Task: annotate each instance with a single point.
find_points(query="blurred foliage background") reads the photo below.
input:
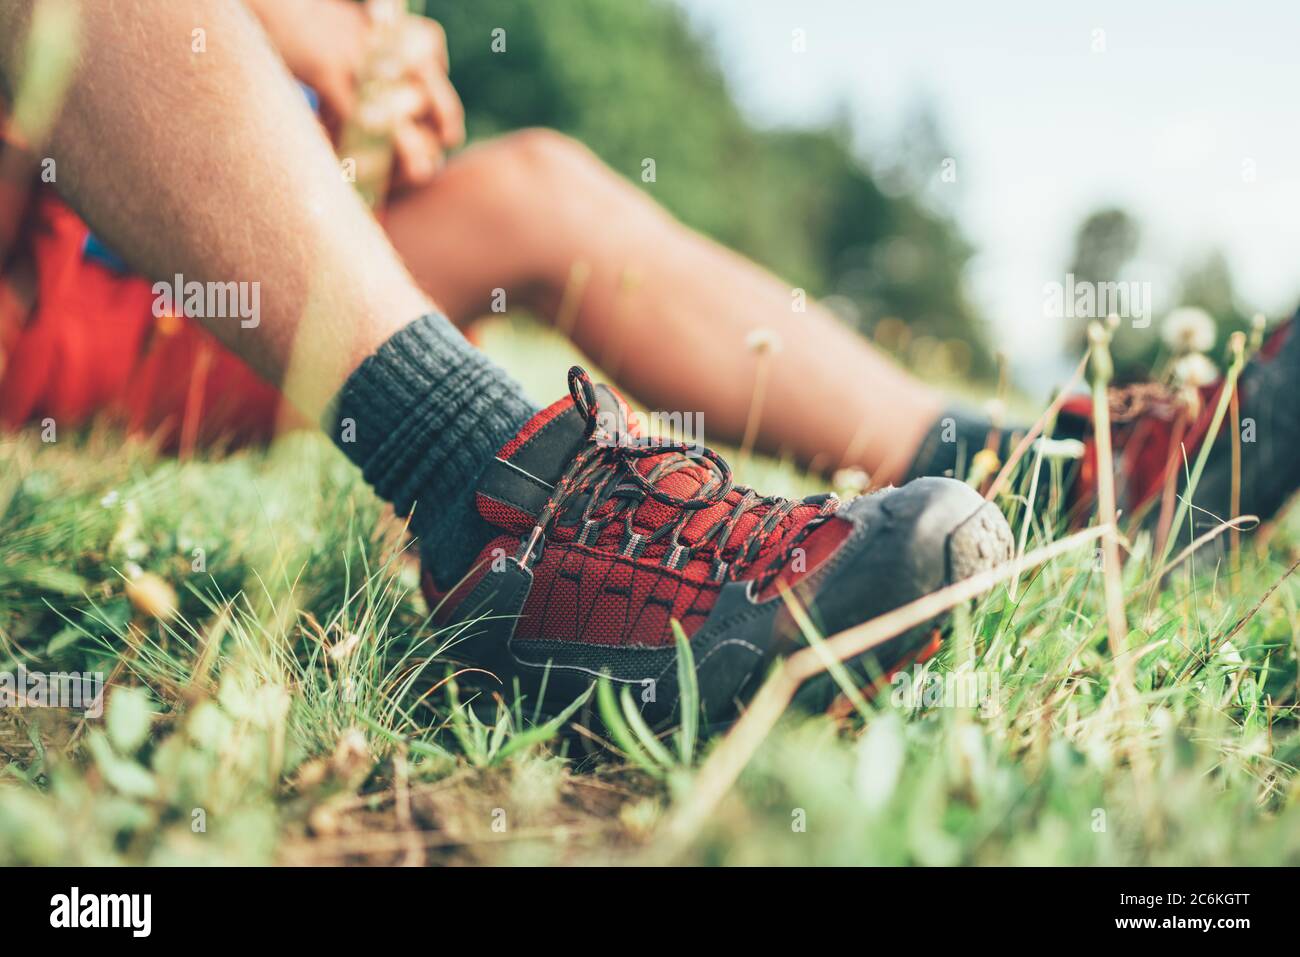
(632, 80)
(1106, 248)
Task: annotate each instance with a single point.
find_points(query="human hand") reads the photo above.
(376, 67)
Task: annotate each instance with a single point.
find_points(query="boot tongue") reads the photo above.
(517, 483)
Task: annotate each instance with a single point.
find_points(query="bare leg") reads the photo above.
(664, 309)
(209, 164)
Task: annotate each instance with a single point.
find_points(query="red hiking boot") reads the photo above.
(605, 537)
(1154, 429)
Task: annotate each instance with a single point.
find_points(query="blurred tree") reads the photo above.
(1105, 241)
(1103, 244)
(631, 80)
(1207, 282)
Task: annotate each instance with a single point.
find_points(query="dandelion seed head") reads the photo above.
(1195, 370)
(1188, 329)
(763, 341)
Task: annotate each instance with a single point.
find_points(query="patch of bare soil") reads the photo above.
(482, 816)
(22, 728)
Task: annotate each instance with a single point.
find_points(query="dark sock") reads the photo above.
(952, 442)
(423, 417)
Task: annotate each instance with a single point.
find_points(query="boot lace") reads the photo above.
(606, 469)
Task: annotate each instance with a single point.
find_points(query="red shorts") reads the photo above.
(83, 340)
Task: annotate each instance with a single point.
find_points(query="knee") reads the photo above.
(545, 153)
(523, 172)
(540, 166)
(544, 184)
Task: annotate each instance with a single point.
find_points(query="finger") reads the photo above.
(424, 41)
(418, 153)
(423, 50)
(448, 113)
(392, 106)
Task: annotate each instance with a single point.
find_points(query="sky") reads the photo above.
(1184, 113)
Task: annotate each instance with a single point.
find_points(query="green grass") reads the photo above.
(298, 710)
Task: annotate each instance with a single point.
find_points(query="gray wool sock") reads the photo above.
(953, 441)
(422, 417)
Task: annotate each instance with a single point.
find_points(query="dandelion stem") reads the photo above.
(1207, 444)
(1116, 625)
(755, 406)
(1048, 416)
(1234, 537)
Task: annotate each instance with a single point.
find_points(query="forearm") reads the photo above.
(208, 164)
